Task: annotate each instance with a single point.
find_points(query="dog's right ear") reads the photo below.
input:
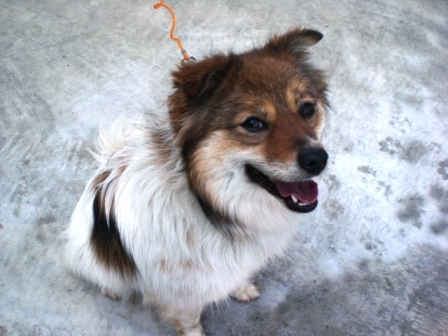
(293, 42)
(199, 80)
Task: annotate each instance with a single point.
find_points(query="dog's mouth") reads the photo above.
(298, 196)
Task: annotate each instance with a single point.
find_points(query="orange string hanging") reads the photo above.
(173, 26)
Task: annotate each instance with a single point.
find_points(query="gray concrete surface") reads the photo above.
(371, 260)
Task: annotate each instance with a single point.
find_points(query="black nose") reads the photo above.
(313, 159)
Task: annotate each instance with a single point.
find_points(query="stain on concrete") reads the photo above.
(46, 220)
(348, 146)
(45, 228)
(410, 152)
(374, 245)
(389, 285)
(389, 145)
(443, 169)
(436, 192)
(412, 210)
(367, 170)
(16, 212)
(439, 227)
(413, 151)
(1, 226)
(440, 195)
(333, 208)
(3, 331)
(368, 246)
(387, 188)
(333, 183)
(435, 146)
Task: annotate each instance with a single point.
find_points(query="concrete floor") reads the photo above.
(371, 260)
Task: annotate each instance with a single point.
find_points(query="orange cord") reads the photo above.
(173, 26)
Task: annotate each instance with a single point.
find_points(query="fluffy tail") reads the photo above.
(114, 138)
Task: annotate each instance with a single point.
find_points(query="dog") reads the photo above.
(186, 207)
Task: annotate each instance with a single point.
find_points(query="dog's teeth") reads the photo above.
(295, 200)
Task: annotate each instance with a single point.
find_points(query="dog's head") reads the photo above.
(248, 126)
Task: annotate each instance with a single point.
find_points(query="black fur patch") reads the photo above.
(222, 222)
(106, 242)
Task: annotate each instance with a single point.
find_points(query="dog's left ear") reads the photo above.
(199, 80)
(295, 41)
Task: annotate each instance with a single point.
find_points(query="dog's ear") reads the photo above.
(295, 41)
(199, 80)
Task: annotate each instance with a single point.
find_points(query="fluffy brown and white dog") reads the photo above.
(185, 211)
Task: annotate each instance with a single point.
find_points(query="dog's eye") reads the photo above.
(307, 110)
(254, 125)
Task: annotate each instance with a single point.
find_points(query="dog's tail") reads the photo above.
(112, 139)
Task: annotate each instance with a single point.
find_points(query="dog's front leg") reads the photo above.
(187, 323)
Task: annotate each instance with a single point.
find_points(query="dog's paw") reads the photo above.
(110, 293)
(192, 331)
(246, 293)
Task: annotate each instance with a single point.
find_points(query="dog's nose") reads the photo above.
(313, 159)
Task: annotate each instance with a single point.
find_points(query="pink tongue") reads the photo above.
(305, 191)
